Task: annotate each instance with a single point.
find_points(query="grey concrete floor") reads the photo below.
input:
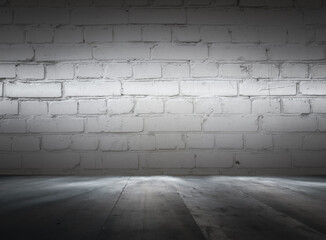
(162, 208)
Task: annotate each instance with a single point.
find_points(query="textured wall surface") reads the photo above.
(153, 86)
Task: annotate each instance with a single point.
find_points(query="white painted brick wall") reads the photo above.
(8, 107)
(157, 87)
(31, 108)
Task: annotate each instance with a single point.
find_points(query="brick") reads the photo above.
(213, 34)
(214, 160)
(5, 143)
(157, 16)
(313, 88)
(51, 161)
(300, 35)
(215, 16)
(8, 107)
(229, 141)
(16, 53)
(112, 3)
(180, 106)
(237, 53)
(167, 51)
(196, 2)
(321, 34)
(318, 71)
(279, 3)
(294, 70)
(156, 88)
(167, 160)
(308, 3)
(236, 105)
(234, 70)
(121, 51)
(98, 16)
(208, 88)
(264, 88)
(314, 142)
(127, 33)
(169, 124)
(273, 17)
(119, 70)
(200, 141)
(259, 70)
(186, 34)
(56, 142)
(12, 126)
(33, 108)
(40, 90)
(11, 35)
(89, 70)
(169, 141)
(113, 143)
(318, 105)
(115, 124)
(50, 3)
(77, 3)
(92, 89)
(167, 3)
(5, 15)
(120, 106)
(84, 142)
(98, 34)
(266, 105)
(41, 16)
(294, 105)
(137, 2)
(30, 71)
(289, 124)
(287, 141)
(296, 53)
(142, 142)
(92, 106)
(309, 159)
(63, 53)
(208, 106)
(204, 70)
(39, 35)
(26, 3)
(322, 123)
(220, 3)
(314, 16)
(63, 108)
(231, 123)
(118, 161)
(68, 35)
(264, 160)
(244, 35)
(258, 141)
(10, 161)
(147, 70)
(272, 34)
(26, 144)
(149, 106)
(175, 70)
(156, 34)
(57, 125)
(7, 71)
(251, 3)
(60, 71)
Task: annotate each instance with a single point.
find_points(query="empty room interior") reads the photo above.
(163, 119)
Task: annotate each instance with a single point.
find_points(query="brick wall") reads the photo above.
(163, 87)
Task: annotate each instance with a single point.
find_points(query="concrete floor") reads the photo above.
(162, 208)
